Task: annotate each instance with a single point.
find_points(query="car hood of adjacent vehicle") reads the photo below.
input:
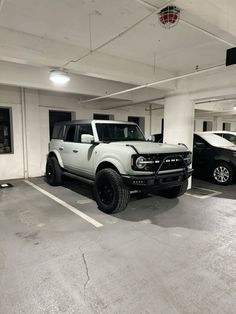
(152, 148)
(233, 148)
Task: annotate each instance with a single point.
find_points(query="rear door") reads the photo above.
(82, 154)
(66, 147)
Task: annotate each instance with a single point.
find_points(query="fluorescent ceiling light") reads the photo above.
(59, 77)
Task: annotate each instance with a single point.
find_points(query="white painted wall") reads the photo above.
(11, 165)
(38, 103)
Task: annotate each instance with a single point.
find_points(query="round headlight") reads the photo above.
(140, 162)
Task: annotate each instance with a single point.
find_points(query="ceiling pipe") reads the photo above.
(207, 33)
(91, 51)
(154, 109)
(214, 100)
(128, 104)
(217, 67)
(146, 3)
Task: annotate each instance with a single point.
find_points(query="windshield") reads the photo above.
(112, 132)
(228, 136)
(216, 140)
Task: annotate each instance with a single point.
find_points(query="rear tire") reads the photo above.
(222, 174)
(53, 172)
(175, 191)
(111, 194)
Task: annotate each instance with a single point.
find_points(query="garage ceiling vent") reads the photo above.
(169, 16)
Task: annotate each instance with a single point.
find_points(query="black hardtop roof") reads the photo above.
(88, 121)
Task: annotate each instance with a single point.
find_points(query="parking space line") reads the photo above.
(213, 193)
(66, 205)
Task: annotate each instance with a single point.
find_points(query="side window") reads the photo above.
(70, 133)
(58, 132)
(230, 137)
(226, 136)
(84, 129)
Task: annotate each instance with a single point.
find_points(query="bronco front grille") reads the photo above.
(171, 163)
(168, 162)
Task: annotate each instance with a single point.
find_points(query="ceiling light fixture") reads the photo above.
(59, 77)
(234, 107)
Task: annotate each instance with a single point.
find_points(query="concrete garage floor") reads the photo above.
(158, 256)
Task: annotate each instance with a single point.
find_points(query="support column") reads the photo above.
(219, 124)
(179, 121)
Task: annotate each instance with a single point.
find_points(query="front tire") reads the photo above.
(175, 191)
(223, 174)
(53, 172)
(111, 194)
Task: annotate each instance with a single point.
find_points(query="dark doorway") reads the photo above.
(98, 116)
(162, 126)
(207, 126)
(134, 119)
(140, 121)
(226, 126)
(57, 116)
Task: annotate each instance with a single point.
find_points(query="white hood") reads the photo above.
(152, 148)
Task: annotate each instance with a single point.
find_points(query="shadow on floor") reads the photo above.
(184, 212)
(140, 207)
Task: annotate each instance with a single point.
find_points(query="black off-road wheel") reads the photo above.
(222, 174)
(111, 194)
(53, 171)
(175, 191)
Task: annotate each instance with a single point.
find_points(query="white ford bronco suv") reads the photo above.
(116, 158)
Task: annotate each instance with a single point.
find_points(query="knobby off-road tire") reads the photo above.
(222, 174)
(53, 172)
(175, 191)
(111, 194)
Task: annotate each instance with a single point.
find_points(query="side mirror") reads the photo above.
(199, 145)
(87, 138)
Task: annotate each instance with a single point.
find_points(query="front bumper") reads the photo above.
(159, 181)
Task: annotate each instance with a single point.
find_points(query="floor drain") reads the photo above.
(6, 185)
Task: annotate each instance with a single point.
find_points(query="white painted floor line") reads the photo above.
(213, 193)
(66, 205)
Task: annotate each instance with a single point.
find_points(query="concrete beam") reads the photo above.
(14, 74)
(34, 50)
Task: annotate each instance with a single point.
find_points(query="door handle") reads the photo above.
(61, 148)
(75, 151)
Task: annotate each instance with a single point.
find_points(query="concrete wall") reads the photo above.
(11, 165)
(37, 104)
(217, 123)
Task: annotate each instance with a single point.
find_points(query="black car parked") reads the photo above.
(214, 157)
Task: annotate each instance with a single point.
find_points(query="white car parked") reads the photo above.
(116, 157)
(228, 135)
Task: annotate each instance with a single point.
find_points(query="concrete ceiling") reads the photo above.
(51, 33)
